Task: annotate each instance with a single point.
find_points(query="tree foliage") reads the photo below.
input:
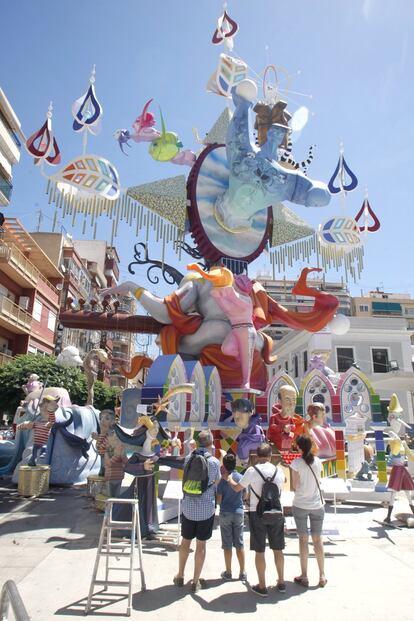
(16, 373)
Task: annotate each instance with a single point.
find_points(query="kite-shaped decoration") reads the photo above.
(88, 175)
(365, 212)
(87, 111)
(230, 72)
(42, 144)
(225, 31)
(341, 233)
(339, 182)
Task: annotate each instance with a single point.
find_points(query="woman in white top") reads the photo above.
(308, 503)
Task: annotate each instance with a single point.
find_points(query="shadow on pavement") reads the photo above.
(68, 509)
(101, 599)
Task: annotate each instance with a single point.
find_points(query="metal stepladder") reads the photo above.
(114, 547)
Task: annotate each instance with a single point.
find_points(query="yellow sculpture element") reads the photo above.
(394, 406)
(139, 292)
(146, 421)
(218, 276)
(163, 402)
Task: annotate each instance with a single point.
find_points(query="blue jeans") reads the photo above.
(231, 528)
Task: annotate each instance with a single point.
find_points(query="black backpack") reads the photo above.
(269, 508)
(195, 479)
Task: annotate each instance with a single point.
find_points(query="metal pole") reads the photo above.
(10, 596)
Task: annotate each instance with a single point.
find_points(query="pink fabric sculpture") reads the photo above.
(232, 296)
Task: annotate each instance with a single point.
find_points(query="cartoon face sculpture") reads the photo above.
(287, 398)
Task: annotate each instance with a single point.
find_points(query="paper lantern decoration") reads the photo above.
(88, 176)
(338, 182)
(341, 233)
(339, 324)
(365, 212)
(87, 111)
(226, 29)
(229, 73)
(42, 144)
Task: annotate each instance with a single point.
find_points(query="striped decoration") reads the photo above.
(351, 262)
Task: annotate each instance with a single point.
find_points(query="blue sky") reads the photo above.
(355, 58)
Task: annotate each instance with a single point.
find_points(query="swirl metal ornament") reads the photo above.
(170, 274)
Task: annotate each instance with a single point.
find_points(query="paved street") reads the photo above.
(48, 547)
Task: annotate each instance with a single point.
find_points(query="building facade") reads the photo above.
(382, 304)
(9, 148)
(30, 286)
(380, 346)
(89, 266)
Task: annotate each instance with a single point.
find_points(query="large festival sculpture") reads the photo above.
(225, 213)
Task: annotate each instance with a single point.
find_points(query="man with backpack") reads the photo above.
(201, 475)
(266, 520)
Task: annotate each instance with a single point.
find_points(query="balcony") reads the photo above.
(119, 355)
(17, 266)
(8, 142)
(14, 318)
(6, 188)
(5, 358)
(123, 337)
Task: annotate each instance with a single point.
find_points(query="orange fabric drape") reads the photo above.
(230, 370)
(137, 363)
(265, 312)
(181, 324)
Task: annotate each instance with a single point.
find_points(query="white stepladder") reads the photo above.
(113, 547)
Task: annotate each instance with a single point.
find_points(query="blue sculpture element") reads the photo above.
(257, 180)
(69, 451)
(339, 176)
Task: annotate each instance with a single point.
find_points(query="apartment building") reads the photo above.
(382, 304)
(30, 285)
(88, 267)
(103, 262)
(9, 148)
(77, 285)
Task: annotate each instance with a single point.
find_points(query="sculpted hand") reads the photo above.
(122, 289)
(148, 465)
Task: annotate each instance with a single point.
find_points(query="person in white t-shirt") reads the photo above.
(308, 503)
(259, 531)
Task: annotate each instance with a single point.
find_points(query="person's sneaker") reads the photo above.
(178, 581)
(281, 587)
(259, 591)
(226, 575)
(243, 576)
(196, 586)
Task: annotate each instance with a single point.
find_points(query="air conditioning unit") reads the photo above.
(24, 302)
